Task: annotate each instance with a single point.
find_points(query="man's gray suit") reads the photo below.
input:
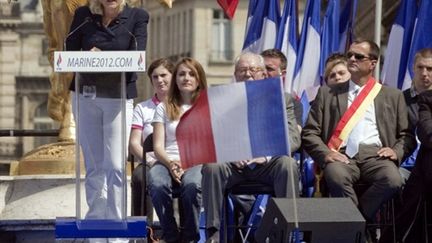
(394, 132)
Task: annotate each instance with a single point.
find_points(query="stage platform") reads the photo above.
(29, 205)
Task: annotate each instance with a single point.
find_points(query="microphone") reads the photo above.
(86, 20)
(130, 33)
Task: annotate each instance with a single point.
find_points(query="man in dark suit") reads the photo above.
(276, 64)
(409, 218)
(377, 141)
(422, 81)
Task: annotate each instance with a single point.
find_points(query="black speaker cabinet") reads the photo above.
(321, 220)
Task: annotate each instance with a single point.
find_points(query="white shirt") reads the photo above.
(142, 118)
(171, 147)
(367, 125)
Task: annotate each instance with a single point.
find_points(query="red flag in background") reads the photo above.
(229, 7)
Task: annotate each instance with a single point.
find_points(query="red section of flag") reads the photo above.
(194, 134)
(229, 7)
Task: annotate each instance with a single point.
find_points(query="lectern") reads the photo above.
(100, 74)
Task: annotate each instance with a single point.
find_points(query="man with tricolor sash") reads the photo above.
(359, 131)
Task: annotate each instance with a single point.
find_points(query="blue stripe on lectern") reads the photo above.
(133, 227)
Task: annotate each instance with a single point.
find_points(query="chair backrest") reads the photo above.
(147, 146)
(146, 206)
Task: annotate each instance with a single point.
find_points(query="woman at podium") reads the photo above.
(105, 25)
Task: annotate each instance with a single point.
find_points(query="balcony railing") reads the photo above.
(29, 133)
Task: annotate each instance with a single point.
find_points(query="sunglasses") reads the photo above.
(357, 56)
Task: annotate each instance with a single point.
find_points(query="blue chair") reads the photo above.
(229, 220)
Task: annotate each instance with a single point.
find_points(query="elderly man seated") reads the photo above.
(272, 170)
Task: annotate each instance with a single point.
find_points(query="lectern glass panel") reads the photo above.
(102, 130)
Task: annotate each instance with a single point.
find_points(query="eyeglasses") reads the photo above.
(357, 56)
(252, 70)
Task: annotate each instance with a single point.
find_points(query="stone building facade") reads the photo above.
(195, 28)
(24, 71)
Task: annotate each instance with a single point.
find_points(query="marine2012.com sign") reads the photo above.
(99, 61)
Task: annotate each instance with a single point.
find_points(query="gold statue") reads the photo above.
(57, 17)
(167, 3)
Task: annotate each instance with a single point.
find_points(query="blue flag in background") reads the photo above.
(306, 77)
(329, 34)
(251, 9)
(422, 38)
(347, 19)
(398, 47)
(287, 40)
(263, 26)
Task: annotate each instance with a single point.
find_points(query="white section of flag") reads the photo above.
(230, 138)
(390, 73)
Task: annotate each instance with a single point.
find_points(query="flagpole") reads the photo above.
(378, 17)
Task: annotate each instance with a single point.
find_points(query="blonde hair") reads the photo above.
(332, 61)
(96, 7)
(173, 105)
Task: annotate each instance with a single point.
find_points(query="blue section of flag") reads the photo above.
(405, 19)
(306, 77)
(329, 34)
(422, 37)
(398, 46)
(312, 15)
(266, 118)
(347, 18)
(269, 10)
(252, 7)
(251, 10)
(290, 12)
(293, 34)
(287, 40)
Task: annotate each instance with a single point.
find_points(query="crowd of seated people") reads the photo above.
(370, 151)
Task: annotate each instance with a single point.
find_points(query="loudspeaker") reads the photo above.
(323, 220)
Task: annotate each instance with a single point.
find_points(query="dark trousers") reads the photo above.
(219, 176)
(382, 174)
(410, 225)
(136, 189)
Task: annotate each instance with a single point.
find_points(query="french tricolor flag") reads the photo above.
(287, 40)
(262, 28)
(422, 38)
(398, 47)
(234, 122)
(306, 77)
(347, 19)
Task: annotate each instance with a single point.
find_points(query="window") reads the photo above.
(221, 40)
(43, 59)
